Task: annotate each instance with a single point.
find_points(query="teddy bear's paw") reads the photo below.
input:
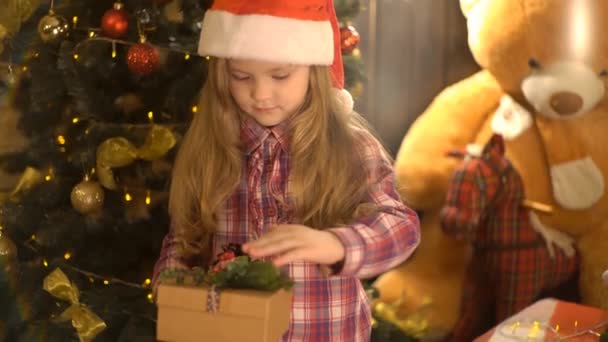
(553, 237)
(577, 184)
(510, 119)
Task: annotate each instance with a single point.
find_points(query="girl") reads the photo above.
(276, 161)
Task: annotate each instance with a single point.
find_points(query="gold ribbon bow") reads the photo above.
(12, 14)
(28, 179)
(86, 322)
(119, 152)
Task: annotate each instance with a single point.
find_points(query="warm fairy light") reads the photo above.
(150, 297)
(87, 131)
(33, 237)
(91, 279)
(61, 140)
(207, 57)
(75, 20)
(91, 34)
(75, 120)
(148, 198)
(106, 282)
(24, 68)
(113, 49)
(93, 171)
(194, 109)
(128, 197)
(147, 281)
(45, 263)
(76, 56)
(187, 56)
(150, 115)
(48, 178)
(67, 255)
(37, 54)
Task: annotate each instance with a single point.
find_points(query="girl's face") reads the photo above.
(268, 92)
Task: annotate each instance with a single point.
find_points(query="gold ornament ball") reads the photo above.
(87, 197)
(8, 250)
(53, 27)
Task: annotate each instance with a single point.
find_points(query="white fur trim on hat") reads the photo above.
(345, 100)
(267, 38)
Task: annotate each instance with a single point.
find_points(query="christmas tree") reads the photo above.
(104, 91)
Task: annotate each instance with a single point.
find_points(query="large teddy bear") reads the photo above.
(543, 88)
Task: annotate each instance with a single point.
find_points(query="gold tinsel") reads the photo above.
(86, 322)
(413, 324)
(120, 152)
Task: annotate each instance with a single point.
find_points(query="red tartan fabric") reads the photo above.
(510, 264)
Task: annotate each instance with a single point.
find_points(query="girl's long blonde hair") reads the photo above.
(328, 179)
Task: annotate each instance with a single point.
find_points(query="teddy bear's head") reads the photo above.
(553, 53)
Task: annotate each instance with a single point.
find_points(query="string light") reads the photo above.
(147, 281)
(113, 49)
(33, 237)
(75, 120)
(67, 255)
(91, 279)
(45, 263)
(24, 68)
(106, 282)
(207, 57)
(91, 34)
(148, 198)
(194, 109)
(150, 297)
(75, 20)
(187, 56)
(522, 330)
(128, 197)
(150, 115)
(76, 56)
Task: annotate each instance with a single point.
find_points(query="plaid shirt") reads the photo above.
(324, 308)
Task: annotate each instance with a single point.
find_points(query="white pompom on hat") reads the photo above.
(303, 32)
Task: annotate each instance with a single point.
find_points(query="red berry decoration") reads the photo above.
(349, 39)
(115, 22)
(143, 59)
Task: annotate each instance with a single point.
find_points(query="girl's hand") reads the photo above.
(286, 243)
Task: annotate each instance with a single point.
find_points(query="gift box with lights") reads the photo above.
(237, 300)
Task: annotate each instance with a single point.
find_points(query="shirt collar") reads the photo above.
(253, 134)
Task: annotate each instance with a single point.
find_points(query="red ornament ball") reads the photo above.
(143, 59)
(115, 22)
(349, 39)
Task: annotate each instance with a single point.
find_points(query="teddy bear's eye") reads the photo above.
(534, 64)
(604, 73)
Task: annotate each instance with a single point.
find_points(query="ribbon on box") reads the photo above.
(213, 299)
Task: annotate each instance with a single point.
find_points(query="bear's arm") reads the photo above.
(453, 120)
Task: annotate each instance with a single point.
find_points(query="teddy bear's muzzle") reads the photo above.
(566, 103)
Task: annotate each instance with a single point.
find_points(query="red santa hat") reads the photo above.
(301, 32)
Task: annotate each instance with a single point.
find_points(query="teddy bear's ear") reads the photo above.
(467, 5)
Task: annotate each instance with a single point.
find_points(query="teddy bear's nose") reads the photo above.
(566, 103)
